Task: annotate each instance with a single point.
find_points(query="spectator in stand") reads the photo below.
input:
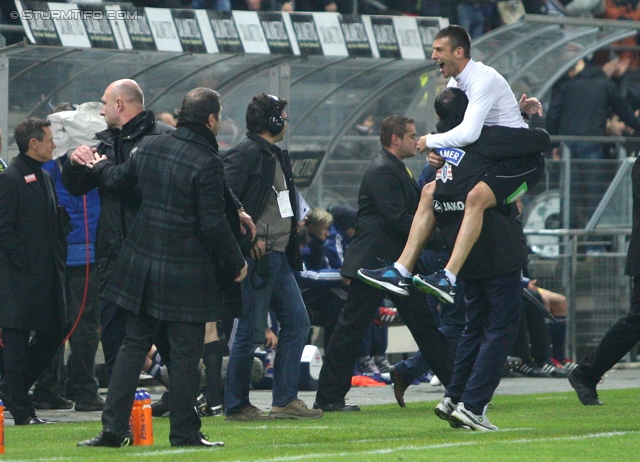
(216, 5)
(580, 8)
(372, 360)
(340, 234)
(571, 113)
(432, 8)
(317, 223)
(625, 10)
(556, 304)
(535, 6)
(533, 342)
(323, 289)
(475, 16)
(258, 5)
(310, 5)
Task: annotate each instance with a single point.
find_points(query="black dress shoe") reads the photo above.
(35, 420)
(95, 404)
(50, 402)
(202, 441)
(399, 386)
(109, 440)
(586, 394)
(337, 407)
(161, 408)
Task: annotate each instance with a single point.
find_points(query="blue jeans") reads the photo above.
(452, 320)
(472, 16)
(493, 315)
(282, 289)
(589, 181)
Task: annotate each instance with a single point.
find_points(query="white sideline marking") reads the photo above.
(449, 445)
(277, 427)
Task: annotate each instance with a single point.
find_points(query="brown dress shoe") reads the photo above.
(399, 386)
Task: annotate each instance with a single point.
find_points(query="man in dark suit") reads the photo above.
(165, 275)
(387, 200)
(625, 333)
(32, 262)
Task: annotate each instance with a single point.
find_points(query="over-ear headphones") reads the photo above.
(275, 125)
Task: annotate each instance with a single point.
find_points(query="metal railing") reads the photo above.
(597, 290)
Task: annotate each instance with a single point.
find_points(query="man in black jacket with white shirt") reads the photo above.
(387, 201)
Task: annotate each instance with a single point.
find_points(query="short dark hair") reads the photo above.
(393, 125)
(450, 105)
(261, 108)
(458, 37)
(198, 105)
(61, 107)
(27, 129)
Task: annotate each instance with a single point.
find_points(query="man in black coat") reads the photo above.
(387, 200)
(625, 333)
(32, 262)
(165, 275)
(580, 105)
(128, 123)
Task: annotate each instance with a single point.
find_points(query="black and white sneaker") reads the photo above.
(532, 370)
(444, 409)
(436, 284)
(387, 278)
(554, 371)
(473, 421)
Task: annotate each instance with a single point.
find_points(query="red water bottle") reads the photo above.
(146, 420)
(1, 427)
(134, 420)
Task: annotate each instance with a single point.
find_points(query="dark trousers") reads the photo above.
(452, 321)
(533, 340)
(113, 320)
(617, 342)
(186, 341)
(493, 315)
(360, 307)
(81, 385)
(24, 361)
(375, 341)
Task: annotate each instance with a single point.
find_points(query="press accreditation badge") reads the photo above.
(284, 204)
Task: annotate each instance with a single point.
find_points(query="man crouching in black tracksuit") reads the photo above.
(492, 273)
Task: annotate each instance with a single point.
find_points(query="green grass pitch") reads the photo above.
(541, 427)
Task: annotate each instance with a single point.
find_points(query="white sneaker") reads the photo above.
(473, 421)
(444, 409)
